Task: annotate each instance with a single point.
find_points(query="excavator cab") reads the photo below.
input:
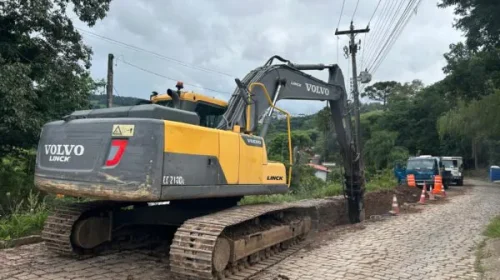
(209, 109)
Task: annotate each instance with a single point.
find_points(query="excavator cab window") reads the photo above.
(210, 114)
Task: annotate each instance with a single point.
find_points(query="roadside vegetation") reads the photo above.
(493, 228)
(487, 253)
(43, 82)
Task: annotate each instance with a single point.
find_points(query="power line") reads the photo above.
(169, 78)
(402, 26)
(364, 35)
(391, 35)
(341, 12)
(376, 28)
(380, 36)
(355, 9)
(130, 46)
(374, 11)
(386, 35)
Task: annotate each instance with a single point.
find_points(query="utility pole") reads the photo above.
(353, 49)
(109, 84)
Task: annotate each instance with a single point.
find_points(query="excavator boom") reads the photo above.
(288, 81)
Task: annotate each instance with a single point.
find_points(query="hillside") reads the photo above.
(100, 101)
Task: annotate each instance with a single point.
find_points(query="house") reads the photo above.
(320, 171)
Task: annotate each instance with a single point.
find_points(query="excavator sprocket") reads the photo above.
(238, 242)
(59, 226)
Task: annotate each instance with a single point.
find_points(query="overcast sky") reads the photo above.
(233, 37)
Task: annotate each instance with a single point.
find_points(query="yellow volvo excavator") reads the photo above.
(201, 155)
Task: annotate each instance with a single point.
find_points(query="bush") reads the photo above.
(16, 178)
(381, 180)
(26, 218)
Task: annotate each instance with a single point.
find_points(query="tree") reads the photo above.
(323, 122)
(278, 146)
(479, 20)
(475, 121)
(380, 91)
(379, 149)
(470, 74)
(43, 64)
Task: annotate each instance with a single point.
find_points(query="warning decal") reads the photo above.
(124, 130)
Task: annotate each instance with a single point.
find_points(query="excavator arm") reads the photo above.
(288, 81)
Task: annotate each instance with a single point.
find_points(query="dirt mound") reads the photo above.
(378, 203)
(407, 194)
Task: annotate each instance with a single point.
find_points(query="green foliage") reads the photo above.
(326, 190)
(478, 118)
(16, 178)
(379, 146)
(278, 148)
(380, 91)
(381, 180)
(471, 74)
(493, 228)
(27, 217)
(43, 64)
(478, 20)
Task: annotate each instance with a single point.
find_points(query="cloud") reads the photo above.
(234, 37)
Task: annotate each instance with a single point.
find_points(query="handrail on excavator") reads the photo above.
(268, 97)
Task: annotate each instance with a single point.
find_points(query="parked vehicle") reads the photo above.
(454, 164)
(400, 171)
(425, 168)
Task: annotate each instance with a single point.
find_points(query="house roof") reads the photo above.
(318, 167)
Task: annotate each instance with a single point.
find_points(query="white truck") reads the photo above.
(454, 164)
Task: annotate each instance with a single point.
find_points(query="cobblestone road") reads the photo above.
(437, 243)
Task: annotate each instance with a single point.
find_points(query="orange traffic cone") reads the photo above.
(422, 196)
(431, 194)
(395, 205)
(438, 184)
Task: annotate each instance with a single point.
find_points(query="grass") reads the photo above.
(493, 228)
(27, 218)
(479, 256)
(492, 231)
(382, 181)
(325, 191)
(19, 225)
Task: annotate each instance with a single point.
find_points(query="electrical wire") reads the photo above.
(397, 35)
(171, 59)
(376, 29)
(386, 34)
(341, 12)
(169, 78)
(391, 37)
(355, 9)
(379, 33)
(374, 12)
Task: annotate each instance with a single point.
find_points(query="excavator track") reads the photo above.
(198, 253)
(59, 225)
